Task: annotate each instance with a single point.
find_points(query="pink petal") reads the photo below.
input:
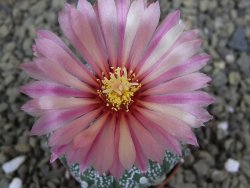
(108, 18)
(66, 25)
(56, 73)
(116, 169)
(88, 11)
(87, 137)
(51, 103)
(57, 152)
(170, 110)
(57, 54)
(150, 147)
(172, 125)
(55, 119)
(196, 110)
(141, 160)
(187, 36)
(147, 27)
(127, 153)
(164, 139)
(102, 153)
(185, 83)
(194, 97)
(170, 21)
(81, 24)
(41, 88)
(65, 134)
(193, 64)
(122, 11)
(176, 56)
(132, 24)
(33, 70)
(161, 49)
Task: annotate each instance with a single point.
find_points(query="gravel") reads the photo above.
(225, 28)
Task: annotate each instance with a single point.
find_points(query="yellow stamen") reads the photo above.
(118, 90)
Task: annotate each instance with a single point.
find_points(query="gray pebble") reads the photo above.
(4, 31)
(201, 168)
(239, 41)
(219, 176)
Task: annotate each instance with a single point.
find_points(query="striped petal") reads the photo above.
(86, 137)
(122, 11)
(148, 24)
(66, 25)
(161, 49)
(108, 18)
(164, 139)
(169, 110)
(132, 24)
(81, 24)
(150, 147)
(193, 98)
(67, 133)
(185, 83)
(55, 119)
(127, 153)
(172, 125)
(102, 153)
(53, 103)
(61, 57)
(117, 169)
(176, 56)
(38, 89)
(193, 64)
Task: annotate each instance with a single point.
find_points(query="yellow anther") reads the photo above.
(118, 89)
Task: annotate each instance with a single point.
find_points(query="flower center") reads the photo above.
(119, 89)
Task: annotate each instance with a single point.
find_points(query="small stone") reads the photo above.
(4, 31)
(38, 8)
(234, 78)
(3, 158)
(245, 168)
(228, 143)
(16, 183)
(207, 157)
(230, 58)
(230, 109)
(201, 168)
(189, 176)
(223, 126)
(244, 63)
(3, 106)
(24, 5)
(204, 5)
(232, 165)
(219, 176)
(23, 148)
(220, 65)
(247, 99)
(239, 41)
(13, 165)
(3, 182)
(220, 79)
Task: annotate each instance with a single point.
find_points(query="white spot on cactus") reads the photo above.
(143, 180)
(84, 184)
